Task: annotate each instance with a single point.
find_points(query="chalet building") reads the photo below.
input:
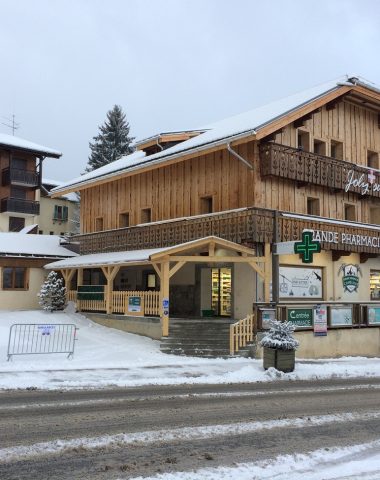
(211, 232)
(21, 173)
(22, 258)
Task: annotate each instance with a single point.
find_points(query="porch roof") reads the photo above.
(140, 257)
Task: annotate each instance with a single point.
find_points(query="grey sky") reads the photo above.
(170, 64)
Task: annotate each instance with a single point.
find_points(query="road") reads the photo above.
(144, 431)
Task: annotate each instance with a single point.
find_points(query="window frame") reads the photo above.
(13, 279)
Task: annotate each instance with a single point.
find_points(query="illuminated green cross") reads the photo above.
(306, 247)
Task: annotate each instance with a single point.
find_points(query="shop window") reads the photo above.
(313, 206)
(319, 147)
(303, 140)
(374, 215)
(15, 278)
(349, 212)
(16, 224)
(124, 220)
(374, 284)
(61, 213)
(336, 149)
(99, 225)
(372, 159)
(146, 215)
(151, 281)
(206, 205)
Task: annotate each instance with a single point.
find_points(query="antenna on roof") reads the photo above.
(12, 123)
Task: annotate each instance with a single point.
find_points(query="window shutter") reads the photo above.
(55, 216)
(65, 214)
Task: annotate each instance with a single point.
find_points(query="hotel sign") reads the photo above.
(365, 183)
(345, 238)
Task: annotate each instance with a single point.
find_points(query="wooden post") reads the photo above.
(79, 283)
(110, 274)
(164, 295)
(268, 272)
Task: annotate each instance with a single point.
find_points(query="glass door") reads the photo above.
(221, 291)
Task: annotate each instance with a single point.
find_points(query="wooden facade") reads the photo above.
(281, 178)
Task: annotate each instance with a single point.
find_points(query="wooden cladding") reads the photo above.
(246, 226)
(310, 168)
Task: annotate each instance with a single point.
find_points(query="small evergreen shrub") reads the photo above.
(280, 336)
(52, 294)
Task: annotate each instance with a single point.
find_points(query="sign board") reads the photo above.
(340, 316)
(300, 282)
(307, 247)
(267, 314)
(90, 292)
(320, 321)
(300, 317)
(373, 315)
(46, 329)
(134, 304)
(284, 248)
(165, 304)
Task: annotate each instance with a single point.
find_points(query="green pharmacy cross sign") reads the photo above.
(307, 247)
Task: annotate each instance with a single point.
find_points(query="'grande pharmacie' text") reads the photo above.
(346, 238)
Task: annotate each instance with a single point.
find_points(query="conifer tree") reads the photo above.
(112, 142)
(52, 293)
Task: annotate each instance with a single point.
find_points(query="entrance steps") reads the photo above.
(204, 337)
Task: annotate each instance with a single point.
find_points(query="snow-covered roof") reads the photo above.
(72, 196)
(21, 144)
(39, 246)
(220, 132)
(162, 134)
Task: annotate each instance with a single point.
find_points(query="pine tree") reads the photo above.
(52, 294)
(112, 142)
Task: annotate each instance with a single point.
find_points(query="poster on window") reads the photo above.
(374, 315)
(341, 316)
(300, 282)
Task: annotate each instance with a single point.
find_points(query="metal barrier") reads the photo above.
(39, 338)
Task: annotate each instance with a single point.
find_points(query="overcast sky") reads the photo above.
(170, 64)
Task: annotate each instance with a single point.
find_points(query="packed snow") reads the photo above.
(107, 357)
(357, 462)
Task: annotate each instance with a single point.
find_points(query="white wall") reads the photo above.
(23, 299)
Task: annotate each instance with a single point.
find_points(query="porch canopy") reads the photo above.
(166, 262)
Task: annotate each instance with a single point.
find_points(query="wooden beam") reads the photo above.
(175, 269)
(164, 294)
(157, 268)
(214, 259)
(258, 270)
(211, 249)
(268, 272)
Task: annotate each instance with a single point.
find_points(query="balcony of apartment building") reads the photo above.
(20, 173)
(14, 206)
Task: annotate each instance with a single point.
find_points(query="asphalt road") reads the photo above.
(155, 422)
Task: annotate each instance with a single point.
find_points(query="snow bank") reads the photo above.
(107, 357)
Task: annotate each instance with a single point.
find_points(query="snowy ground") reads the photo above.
(358, 462)
(108, 357)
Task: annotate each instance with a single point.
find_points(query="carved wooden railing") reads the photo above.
(241, 333)
(307, 167)
(19, 205)
(18, 176)
(247, 226)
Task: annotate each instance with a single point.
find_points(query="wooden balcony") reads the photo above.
(244, 226)
(310, 168)
(17, 176)
(18, 205)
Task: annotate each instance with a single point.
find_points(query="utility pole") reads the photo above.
(11, 123)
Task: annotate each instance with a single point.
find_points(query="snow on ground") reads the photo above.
(107, 357)
(357, 462)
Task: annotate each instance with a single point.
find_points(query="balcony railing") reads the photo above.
(19, 205)
(244, 226)
(307, 167)
(17, 176)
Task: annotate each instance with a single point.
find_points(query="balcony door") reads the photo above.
(19, 163)
(18, 192)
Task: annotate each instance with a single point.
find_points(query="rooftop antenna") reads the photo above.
(11, 123)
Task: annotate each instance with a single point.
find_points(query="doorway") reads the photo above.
(221, 298)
